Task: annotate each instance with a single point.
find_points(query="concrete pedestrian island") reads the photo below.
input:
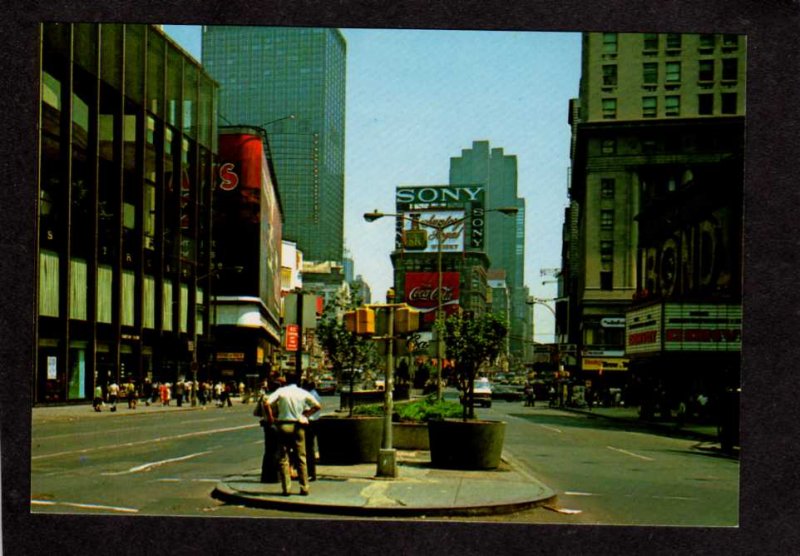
(419, 489)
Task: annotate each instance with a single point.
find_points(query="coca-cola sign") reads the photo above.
(423, 293)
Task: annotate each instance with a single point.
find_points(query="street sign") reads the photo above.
(292, 337)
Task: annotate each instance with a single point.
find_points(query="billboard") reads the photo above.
(422, 293)
(458, 208)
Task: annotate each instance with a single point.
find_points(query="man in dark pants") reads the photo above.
(311, 434)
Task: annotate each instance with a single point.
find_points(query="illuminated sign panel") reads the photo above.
(643, 330)
(422, 293)
(452, 223)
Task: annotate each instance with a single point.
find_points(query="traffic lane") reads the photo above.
(145, 476)
(623, 476)
(93, 434)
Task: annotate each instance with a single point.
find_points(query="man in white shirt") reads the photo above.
(295, 406)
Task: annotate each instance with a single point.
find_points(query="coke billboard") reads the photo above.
(422, 292)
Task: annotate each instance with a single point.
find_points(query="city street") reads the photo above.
(167, 461)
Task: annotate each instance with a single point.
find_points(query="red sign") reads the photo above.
(292, 337)
(422, 292)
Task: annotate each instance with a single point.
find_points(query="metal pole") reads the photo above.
(387, 456)
(299, 353)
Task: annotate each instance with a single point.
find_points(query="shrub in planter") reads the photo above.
(471, 444)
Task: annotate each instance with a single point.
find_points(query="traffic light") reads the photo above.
(406, 319)
(360, 321)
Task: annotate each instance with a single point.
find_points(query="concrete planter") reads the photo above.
(466, 444)
(410, 436)
(349, 440)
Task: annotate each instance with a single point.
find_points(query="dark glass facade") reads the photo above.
(267, 74)
(127, 148)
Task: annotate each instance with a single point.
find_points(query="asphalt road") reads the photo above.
(167, 463)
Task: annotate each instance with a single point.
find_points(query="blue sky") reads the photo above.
(415, 98)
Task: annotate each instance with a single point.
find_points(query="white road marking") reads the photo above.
(177, 480)
(151, 465)
(674, 497)
(574, 493)
(563, 510)
(550, 428)
(86, 506)
(620, 450)
(140, 442)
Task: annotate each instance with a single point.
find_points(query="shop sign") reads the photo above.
(699, 327)
(292, 337)
(613, 322)
(602, 364)
(228, 356)
(441, 194)
(452, 224)
(642, 330)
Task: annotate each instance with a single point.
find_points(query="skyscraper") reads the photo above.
(291, 82)
(505, 237)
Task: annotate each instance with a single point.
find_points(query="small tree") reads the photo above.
(346, 351)
(471, 342)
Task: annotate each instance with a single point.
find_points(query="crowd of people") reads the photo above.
(167, 393)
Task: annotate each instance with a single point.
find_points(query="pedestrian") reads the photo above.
(530, 395)
(270, 462)
(97, 403)
(294, 405)
(165, 393)
(130, 392)
(113, 394)
(179, 390)
(311, 432)
(147, 391)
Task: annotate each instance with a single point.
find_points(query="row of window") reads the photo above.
(672, 105)
(49, 295)
(672, 72)
(651, 42)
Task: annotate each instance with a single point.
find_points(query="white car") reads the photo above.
(481, 392)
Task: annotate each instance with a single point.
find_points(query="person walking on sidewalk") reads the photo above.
(113, 393)
(295, 406)
(97, 403)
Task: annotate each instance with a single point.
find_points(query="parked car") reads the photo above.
(326, 386)
(508, 392)
(482, 392)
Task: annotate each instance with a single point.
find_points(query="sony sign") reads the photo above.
(439, 194)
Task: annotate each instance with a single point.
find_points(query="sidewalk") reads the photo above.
(418, 490)
(85, 410)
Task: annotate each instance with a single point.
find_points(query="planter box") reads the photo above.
(466, 444)
(410, 436)
(349, 440)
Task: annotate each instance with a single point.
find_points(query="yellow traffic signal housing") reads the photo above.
(365, 321)
(406, 319)
(350, 321)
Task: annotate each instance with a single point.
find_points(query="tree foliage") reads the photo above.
(470, 342)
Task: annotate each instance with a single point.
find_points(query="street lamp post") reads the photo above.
(375, 215)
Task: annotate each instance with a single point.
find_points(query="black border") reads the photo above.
(769, 476)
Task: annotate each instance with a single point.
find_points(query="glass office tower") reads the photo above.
(291, 82)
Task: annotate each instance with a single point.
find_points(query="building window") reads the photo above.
(705, 104)
(673, 41)
(166, 316)
(650, 73)
(606, 219)
(609, 43)
(706, 42)
(705, 70)
(729, 103)
(128, 298)
(650, 41)
(730, 42)
(77, 289)
(607, 188)
(606, 280)
(649, 107)
(608, 146)
(672, 72)
(606, 251)
(672, 106)
(149, 303)
(730, 69)
(105, 301)
(48, 284)
(610, 75)
(609, 108)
